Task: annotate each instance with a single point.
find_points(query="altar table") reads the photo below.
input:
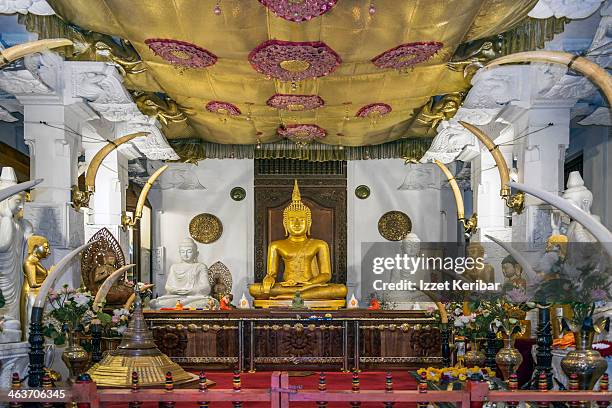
(274, 339)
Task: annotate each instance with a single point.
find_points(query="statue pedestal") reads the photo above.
(13, 359)
(309, 304)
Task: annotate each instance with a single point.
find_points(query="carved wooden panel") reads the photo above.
(326, 197)
(92, 257)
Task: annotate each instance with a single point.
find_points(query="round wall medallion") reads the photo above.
(394, 225)
(362, 192)
(205, 228)
(238, 193)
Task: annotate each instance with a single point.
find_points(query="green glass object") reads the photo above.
(362, 192)
(238, 193)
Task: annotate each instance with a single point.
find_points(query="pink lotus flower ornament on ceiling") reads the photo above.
(181, 53)
(224, 108)
(302, 134)
(295, 102)
(373, 110)
(299, 10)
(294, 61)
(407, 55)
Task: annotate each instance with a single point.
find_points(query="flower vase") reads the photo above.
(585, 362)
(75, 357)
(474, 357)
(508, 358)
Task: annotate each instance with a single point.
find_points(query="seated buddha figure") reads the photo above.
(486, 273)
(307, 265)
(187, 281)
(120, 291)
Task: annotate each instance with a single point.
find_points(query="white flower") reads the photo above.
(81, 299)
(497, 322)
(121, 312)
(121, 329)
(458, 323)
(458, 311)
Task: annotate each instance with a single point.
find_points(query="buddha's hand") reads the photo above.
(290, 283)
(267, 283)
(182, 291)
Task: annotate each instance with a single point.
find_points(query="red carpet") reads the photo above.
(402, 380)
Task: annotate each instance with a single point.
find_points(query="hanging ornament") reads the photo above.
(249, 114)
(295, 102)
(299, 10)
(346, 117)
(181, 53)
(217, 9)
(372, 9)
(407, 55)
(294, 61)
(302, 134)
(373, 111)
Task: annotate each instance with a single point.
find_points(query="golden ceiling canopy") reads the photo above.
(349, 72)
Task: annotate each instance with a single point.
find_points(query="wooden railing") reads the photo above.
(281, 394)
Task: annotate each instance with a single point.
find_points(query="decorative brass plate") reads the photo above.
(238, 193)
(362, 192)
(205, 228)
(394, 225)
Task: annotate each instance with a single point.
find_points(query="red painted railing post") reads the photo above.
(603, 387)
(85, 392)
(322, 388)
(169, 388)
(237, 386)
(543, 387)
(479, 391)
(283, 393)
(203, 387)
(135, 388)
(513, 386)
(389, 387)
(355, 387)
(423, 390)
(15, 385)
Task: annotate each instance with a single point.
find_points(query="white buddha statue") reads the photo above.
(409, 300)
(187, 281)
(581, 197)
(13, 235)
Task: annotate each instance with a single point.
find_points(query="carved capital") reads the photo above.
(574, 9)
(154, 146)
(600, 117)
(22, 82)
(38, 7)
(98, 83)
(451, 141)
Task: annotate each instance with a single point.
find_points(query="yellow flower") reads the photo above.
(420, 371)
(462, 377)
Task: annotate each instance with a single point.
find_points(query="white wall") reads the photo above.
(431, 209)
(174, 209)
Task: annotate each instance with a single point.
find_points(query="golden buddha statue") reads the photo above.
(486, 273)
(307, 265)
(35, 274)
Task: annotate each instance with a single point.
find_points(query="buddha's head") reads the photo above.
(297, 218)
(188, 250)
(577, 193)
(510, 268)
(39, 246)
(475, 250)
(411, 245)
(110, 258)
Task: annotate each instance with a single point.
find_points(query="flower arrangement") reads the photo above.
(451, 374)
(69, 310)
(116, 324)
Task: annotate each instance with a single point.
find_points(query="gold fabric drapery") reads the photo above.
(349, 29)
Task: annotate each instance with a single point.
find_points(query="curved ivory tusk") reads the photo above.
(96, 161)
(455, 187)
(56, 273)
(145, 191)
(106, 286)
(18, 51)
(601, 233)
(502, 167)
(518, 257)
(588, 68)
(132, 297)
(18, 188)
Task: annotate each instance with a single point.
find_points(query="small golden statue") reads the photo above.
(307, 265)
(120, 291)
(35, 274)
(435, 112)
(486, 273)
